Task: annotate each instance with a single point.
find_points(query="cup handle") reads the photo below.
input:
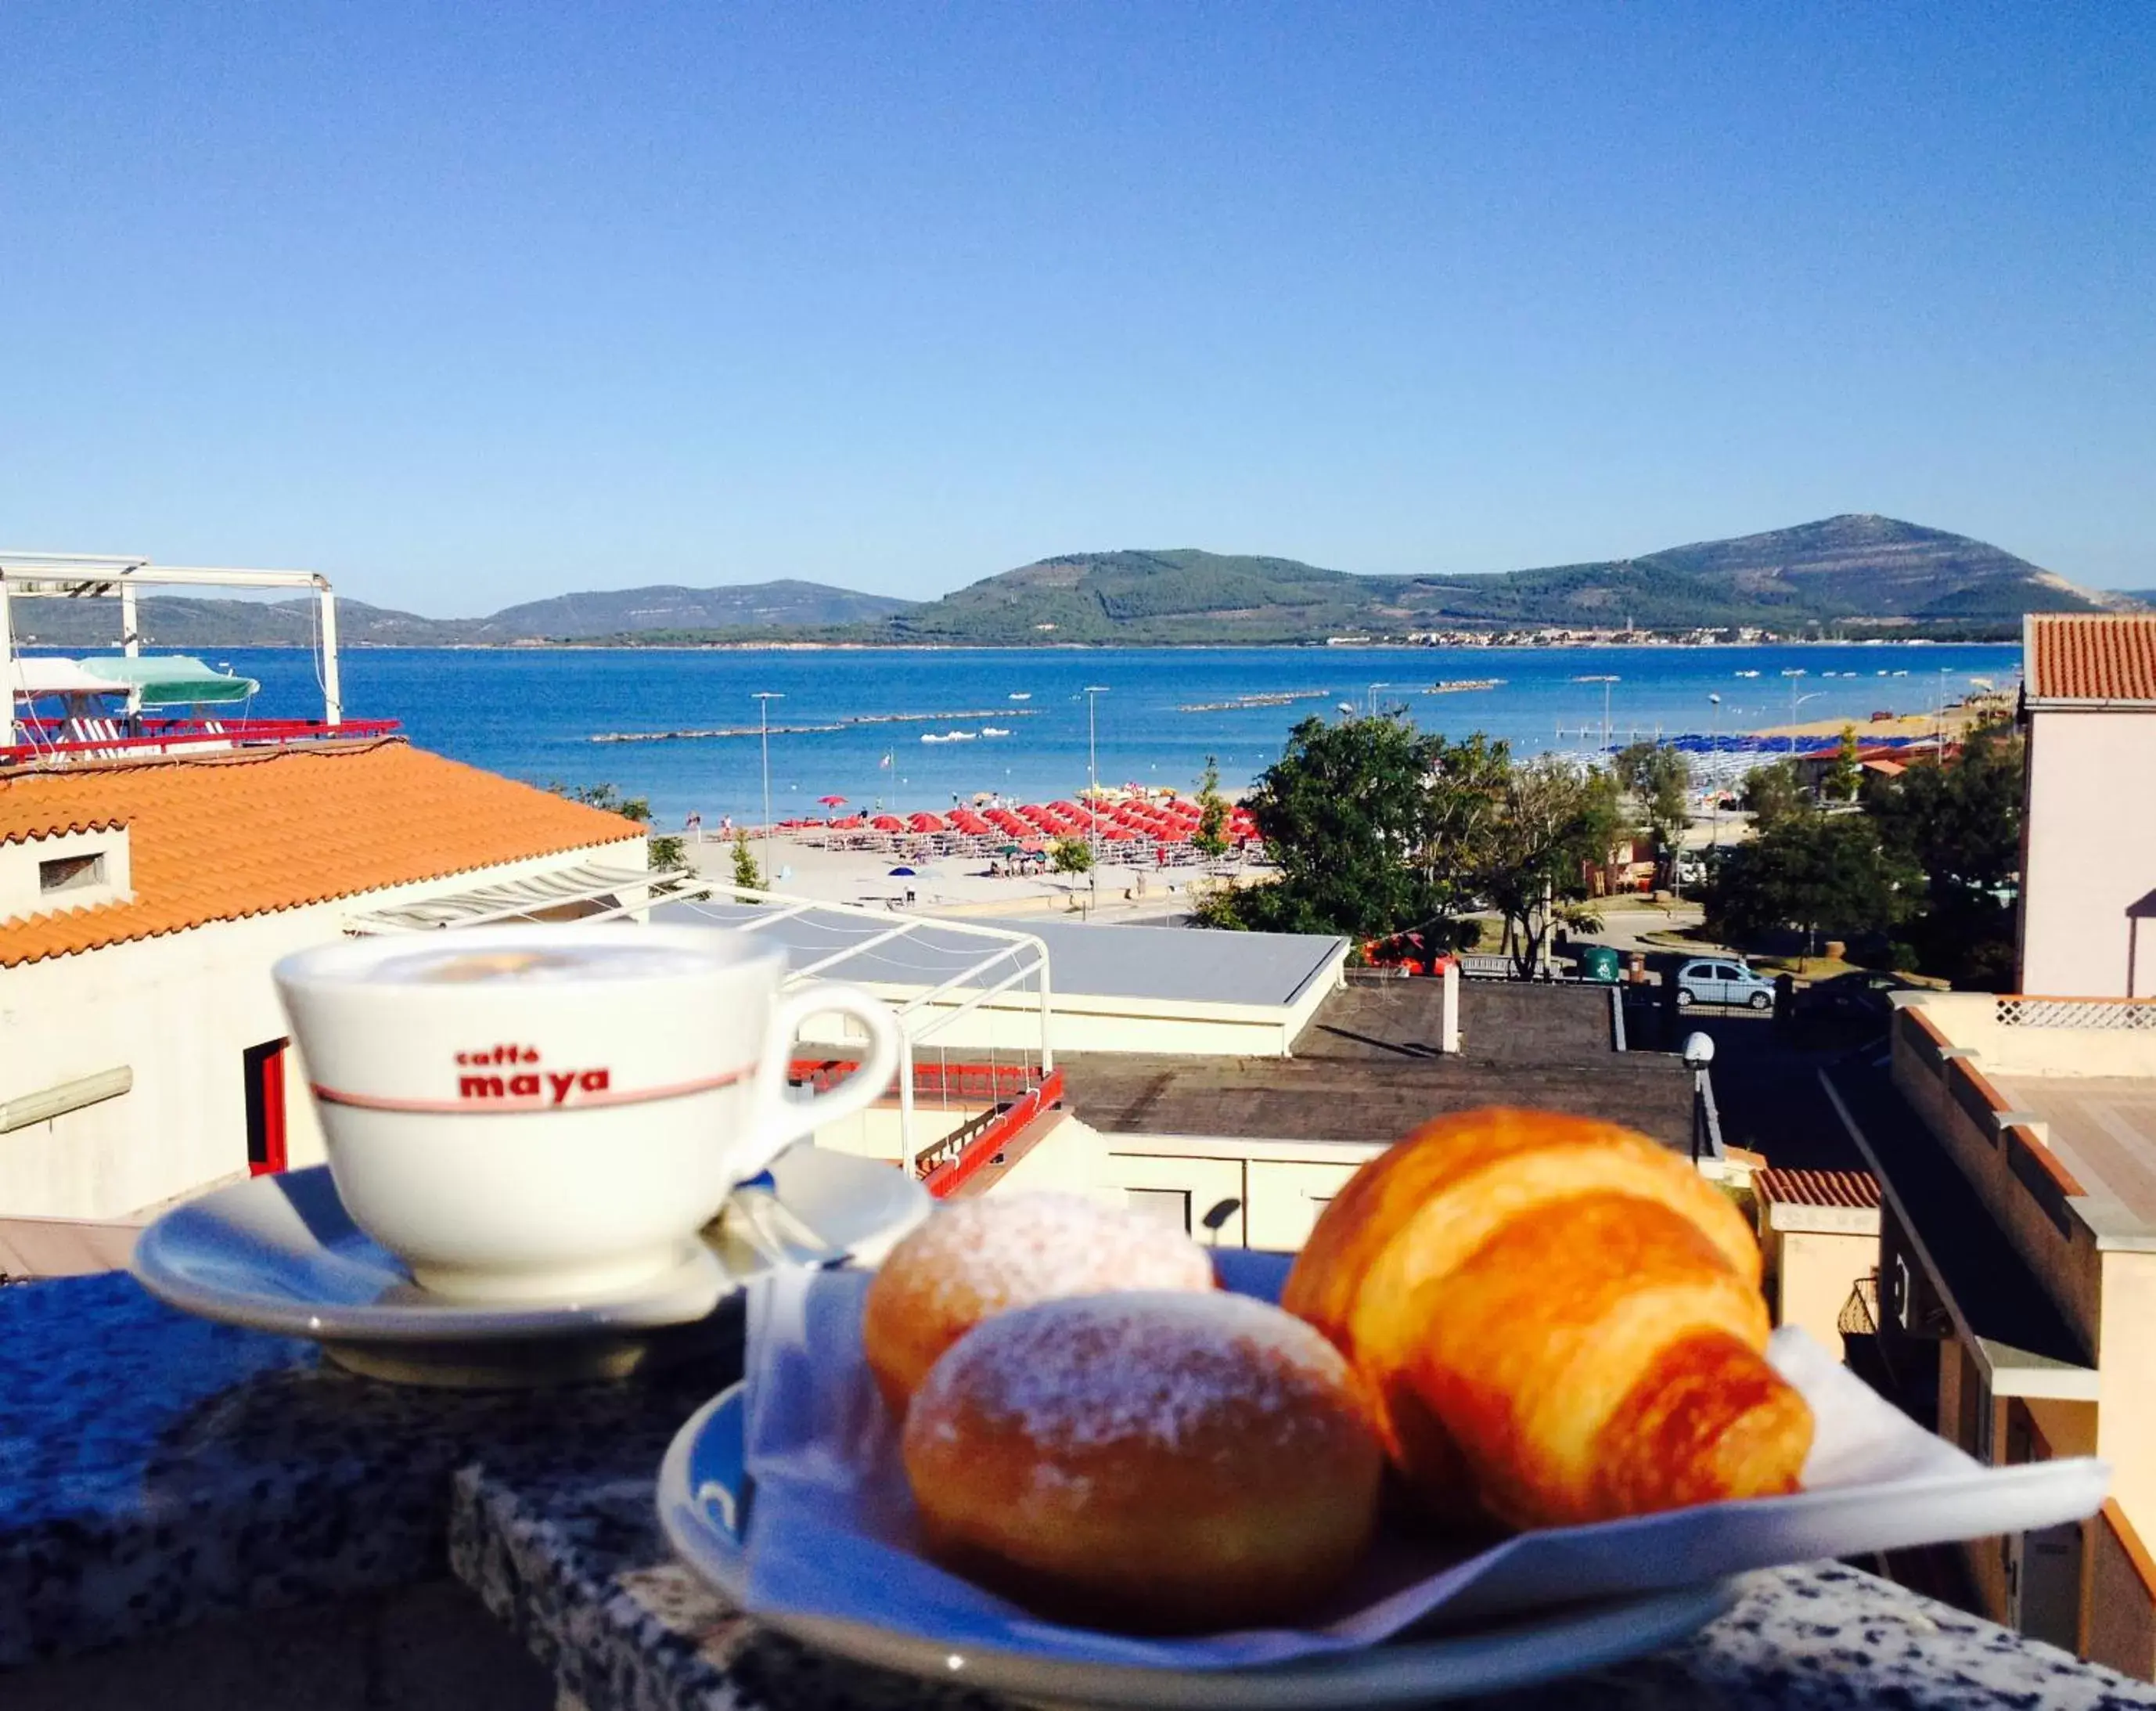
(780, 1122)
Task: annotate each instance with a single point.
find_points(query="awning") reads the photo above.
(173, 679)
(591, 892)
(46, 675)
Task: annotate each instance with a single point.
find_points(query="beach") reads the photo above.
(1036, 725)
(803, 866)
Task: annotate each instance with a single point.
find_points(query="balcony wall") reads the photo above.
(2026, 1193)
(2122, 1597)
(2018, 1036)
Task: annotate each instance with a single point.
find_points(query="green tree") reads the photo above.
(1959, 823)
(1071, 854)
(1818, 873)
(1210, 840)
(1551, 825)
(1659, 778)
(1348, 816)
(667, 849)
(745, 872)
(1845, 775)
(1774, 793)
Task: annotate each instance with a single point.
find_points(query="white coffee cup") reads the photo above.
(549, 1114)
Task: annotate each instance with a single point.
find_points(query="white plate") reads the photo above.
(280, 1254)
(833, 1551)
(700, 1505)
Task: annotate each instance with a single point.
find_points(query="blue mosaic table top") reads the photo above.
(157, 1471)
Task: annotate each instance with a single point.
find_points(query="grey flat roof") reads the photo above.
(2103, 1130)
(1170, 964)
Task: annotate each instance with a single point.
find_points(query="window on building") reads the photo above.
(1169, 1205)
(262, 1067)
(71, 873)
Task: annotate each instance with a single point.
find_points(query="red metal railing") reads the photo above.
(155, 736)
(947, 1178)
(989, 1081)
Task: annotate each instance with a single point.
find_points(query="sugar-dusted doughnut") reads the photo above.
(1146, 1462)
(975, 1257)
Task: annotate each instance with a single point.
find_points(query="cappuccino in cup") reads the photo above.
(550, 1113)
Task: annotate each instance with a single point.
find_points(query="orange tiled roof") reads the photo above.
(219, 838)
(1854, 1189)
(24, 834)
(2089, 656)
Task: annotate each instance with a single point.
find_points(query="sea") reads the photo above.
(849, 724)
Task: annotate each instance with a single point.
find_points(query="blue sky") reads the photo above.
(465, 305)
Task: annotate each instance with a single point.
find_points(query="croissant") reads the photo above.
(1557, 1321)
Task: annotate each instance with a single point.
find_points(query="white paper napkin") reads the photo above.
(832, 1533)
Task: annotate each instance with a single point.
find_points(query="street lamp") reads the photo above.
(1605, 681)
(1093, 692)
(763, 699)
(1374, 688)
(1714, 767)
(1797, 700)
(1698, 1054)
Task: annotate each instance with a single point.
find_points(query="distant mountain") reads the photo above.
(1843, 571)
(1848, 573)
(1179, 595)
(173, 621)
(176, 621)
(633, 611)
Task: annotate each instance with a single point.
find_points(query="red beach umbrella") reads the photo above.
(832, 801)
(888, 822)
(924, 823)
(1119, 834)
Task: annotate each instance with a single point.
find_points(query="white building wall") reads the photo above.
(179, 1011)
(2089, 856)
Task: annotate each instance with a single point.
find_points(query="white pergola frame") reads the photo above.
(625, 892)
(80, 576)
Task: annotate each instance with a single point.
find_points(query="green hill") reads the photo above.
(629, 611)
(1178, 595)
(1847, 573)
(1842, 570)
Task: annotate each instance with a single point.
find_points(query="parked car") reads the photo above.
(1863, 992)
(1718, 980)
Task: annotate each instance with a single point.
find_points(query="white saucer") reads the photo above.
(280, 1254)
(707, 1508)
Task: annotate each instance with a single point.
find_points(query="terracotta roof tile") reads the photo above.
(219, 838)
(2101, 656)
(1854, 1189)
(24, 834)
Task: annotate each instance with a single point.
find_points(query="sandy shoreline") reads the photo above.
(960, 886)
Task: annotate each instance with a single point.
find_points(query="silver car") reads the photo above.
(1713, 981)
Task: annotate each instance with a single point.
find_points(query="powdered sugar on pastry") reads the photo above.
(977, 1258)
(1010, 1252)
(1148, 1461)
(1141, 1367)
